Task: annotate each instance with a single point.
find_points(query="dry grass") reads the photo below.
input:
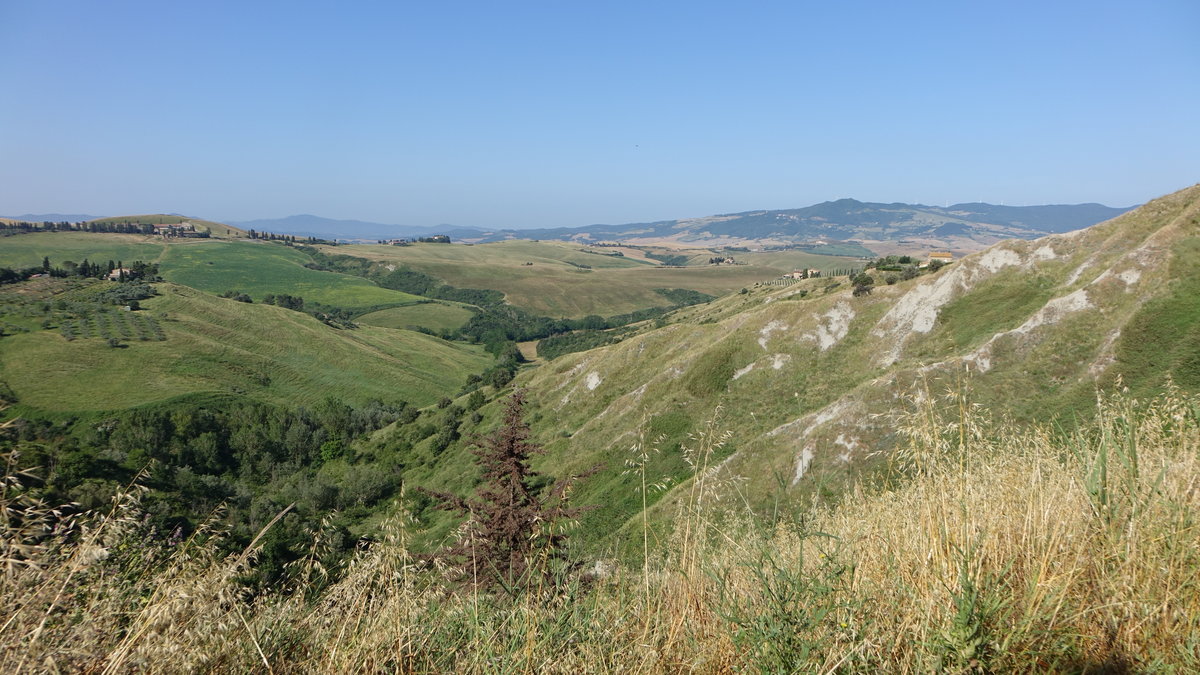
(990, 549)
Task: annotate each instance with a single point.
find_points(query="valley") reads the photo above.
(346, 385)
(615, 338)
(803, 375)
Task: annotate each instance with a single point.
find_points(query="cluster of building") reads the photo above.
(184, 229)
(802, 274)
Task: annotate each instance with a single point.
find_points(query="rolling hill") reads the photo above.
(554, 278)
(214, 228)
(803, 376)
(807, 380)
(567, 279)
(216, 346)
(260, 268)
(882, 229)
(740, 423)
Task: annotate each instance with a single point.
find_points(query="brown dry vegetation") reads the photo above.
(988, 548)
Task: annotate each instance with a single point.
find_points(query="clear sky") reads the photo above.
(562, 113)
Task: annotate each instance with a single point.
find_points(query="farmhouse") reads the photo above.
(802, 274)
(120, 273)
(183, 229)
(941, 256)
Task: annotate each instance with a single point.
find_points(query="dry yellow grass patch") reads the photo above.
(990, 549)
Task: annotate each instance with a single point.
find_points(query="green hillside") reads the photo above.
(252, 267)
(28, 250)
(832, 474)
(259, 268)
(806, 379)
(219, 346)
(435, 316)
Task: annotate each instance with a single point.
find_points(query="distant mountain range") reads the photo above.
(52, 217)
(882, 228)
(329, 228)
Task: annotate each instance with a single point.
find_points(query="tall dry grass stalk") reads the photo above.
(994, 549)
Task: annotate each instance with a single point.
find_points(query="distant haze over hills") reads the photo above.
(330, 228)
(52, 217)
(882, 228)
(879, 228)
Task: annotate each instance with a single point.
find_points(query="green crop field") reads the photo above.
(260, 268)
(435, 316)
(27, 250)
(215, 345)
(556, 285)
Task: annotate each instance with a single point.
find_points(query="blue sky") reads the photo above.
(530, 114)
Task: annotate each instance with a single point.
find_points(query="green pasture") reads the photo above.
(27, 250)
(215, 345)
(259, 268)
(436, 316)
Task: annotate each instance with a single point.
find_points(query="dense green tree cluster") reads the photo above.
(68, 268)
(237, 296)
(293, 302)
(289, 239)
(126, 294)
(106, 227)
(581, 340)
(252, 458)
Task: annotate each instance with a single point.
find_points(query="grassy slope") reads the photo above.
(996, 548)
(1026, 327)
(554, 287)
(1164, 336)
(216, 345)
(432, 315)
(27, 250)
(1008, 553)
(260, 268)
(256, 268)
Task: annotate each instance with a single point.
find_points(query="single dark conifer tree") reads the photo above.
(513, 533)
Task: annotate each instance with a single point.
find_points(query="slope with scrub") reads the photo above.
(804, 377)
